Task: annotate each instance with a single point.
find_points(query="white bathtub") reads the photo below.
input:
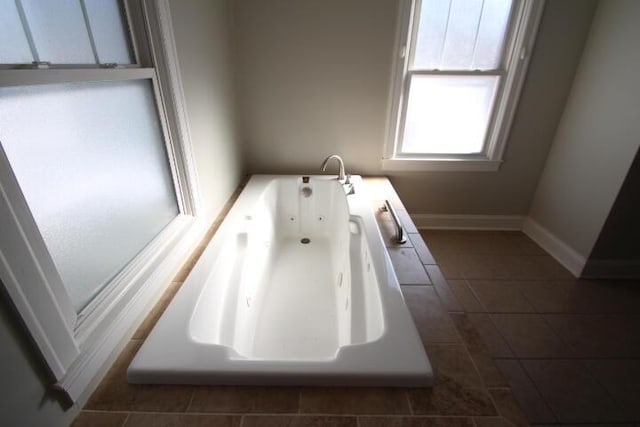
(295, 288)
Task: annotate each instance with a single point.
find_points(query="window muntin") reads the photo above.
(109, 31)
(490, 49)
(64, 32)
(14, 46)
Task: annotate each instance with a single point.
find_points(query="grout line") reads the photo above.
(535, 386)
(557, 335)
(475, 366)
(124, 422)
(193, 393)
(406, 396)
(506, 341)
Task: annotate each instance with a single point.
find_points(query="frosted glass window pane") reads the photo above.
(14, 47)
(59, 31)
(91, 162)
(491, 34)
(460, 34)
(109, 31)
(448, 114)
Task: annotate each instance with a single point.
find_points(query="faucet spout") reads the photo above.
(341, 175)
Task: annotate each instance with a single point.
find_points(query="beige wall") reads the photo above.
(598, 135)
(314, 77)
(203, 40)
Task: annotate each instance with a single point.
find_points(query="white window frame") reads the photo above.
(77, 347)
(519, 41)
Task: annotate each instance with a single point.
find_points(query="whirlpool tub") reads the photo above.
(296, 287)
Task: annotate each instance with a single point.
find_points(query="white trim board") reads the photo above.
(468, 222)
(563, 253)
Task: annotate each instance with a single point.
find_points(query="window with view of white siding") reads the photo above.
(461, 64)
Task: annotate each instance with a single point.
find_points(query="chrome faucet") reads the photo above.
(343, 178)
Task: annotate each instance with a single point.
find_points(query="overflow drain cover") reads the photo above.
(305, 240)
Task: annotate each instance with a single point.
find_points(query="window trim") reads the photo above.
(77, 348)
(516, 56)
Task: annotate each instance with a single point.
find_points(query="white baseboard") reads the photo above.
(611, 269)
(563, 253)
(468, 222)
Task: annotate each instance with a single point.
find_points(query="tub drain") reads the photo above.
(305, 240)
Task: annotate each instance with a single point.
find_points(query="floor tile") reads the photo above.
(489, 267)
(99, 419)
(120, 396)
(525, 392)
(621, 378)
(508, 407)
(491, 337)
(431, 320)
(449, 264)
(551, 296)
(449, 398)
(500, 296)
(529, 336)
(571, 392)
(581, 296)
(421, 248)
(489, 373)
(598, 335)
(468, 332)
(609, 296)
(440, 242)
(297, 421)
(451, 362)
(492, 243)
(343, 400)
(408, 267)
(115, 394)
(524, 245)
(416, 421)
(534, 268)
(449, 301)
(491, 422)
(245, 399)
(186, 420)
(465, 296)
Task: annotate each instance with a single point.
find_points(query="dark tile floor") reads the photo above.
(514, 339)
(569, 349)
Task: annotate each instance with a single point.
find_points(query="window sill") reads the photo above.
(440, 165)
